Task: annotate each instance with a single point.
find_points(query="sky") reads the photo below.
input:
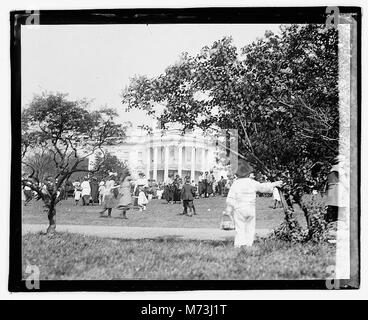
(97, 61)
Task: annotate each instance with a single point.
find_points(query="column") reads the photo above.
(192, 167)
(166, 171)
(180, 160)
(203, 159)
(155, 163)
(148, 159)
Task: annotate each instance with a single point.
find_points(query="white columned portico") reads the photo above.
(193, 163)
(180, 160)
(148, 168)
(166, 170)
(155, 163)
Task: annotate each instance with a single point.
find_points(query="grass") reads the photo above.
(65, 256)
(158, 214)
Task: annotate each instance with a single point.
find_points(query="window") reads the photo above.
(188, 154)
(172, 153)
(140, 157)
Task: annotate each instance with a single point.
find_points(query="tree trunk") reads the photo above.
(52, 219)
(287, 210)
(307, 217)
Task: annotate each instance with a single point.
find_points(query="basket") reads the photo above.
(227, 223)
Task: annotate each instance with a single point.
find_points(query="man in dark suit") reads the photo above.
(187, 195)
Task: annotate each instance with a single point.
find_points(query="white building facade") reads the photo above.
(160, 154)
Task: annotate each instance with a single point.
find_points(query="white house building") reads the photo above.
(168, 152)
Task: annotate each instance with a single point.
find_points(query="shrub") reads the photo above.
(290, 230)
(318, 230)
(314, 207)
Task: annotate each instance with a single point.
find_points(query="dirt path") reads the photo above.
(142, 232)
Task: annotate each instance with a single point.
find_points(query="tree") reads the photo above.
(280, 92)
(41, 162)
(68, 133)
(107, 164)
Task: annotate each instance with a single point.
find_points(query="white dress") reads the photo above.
(77, 191)
(241, 203)
(86, 188)
(142, 199)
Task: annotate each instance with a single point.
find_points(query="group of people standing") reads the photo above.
(87, 191)
(207, 186)
(121, 193)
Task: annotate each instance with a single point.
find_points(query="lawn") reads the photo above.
(65, 256)
(158, 214)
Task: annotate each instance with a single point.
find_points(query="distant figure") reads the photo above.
(211, 184)
(159, 193)
(77, 192)
(200, 184)
(241, 203)
(187, 195)
(177, 185)
(168, 194)
(228, 184)
(125, 200)
(101, 192)
(94, 190)
(337, 194)
(220, 186)
(205, 182)
(154, 187)
(142, 200)
(142, 181)
(86, 191)
(109, 198)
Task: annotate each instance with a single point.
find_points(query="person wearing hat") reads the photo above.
(140, 184)
(337, 192)
(109, 197)
(187, 195)
(241, 203)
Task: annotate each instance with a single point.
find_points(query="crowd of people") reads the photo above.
(125, 193)
(241, 189)
(206, 187)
